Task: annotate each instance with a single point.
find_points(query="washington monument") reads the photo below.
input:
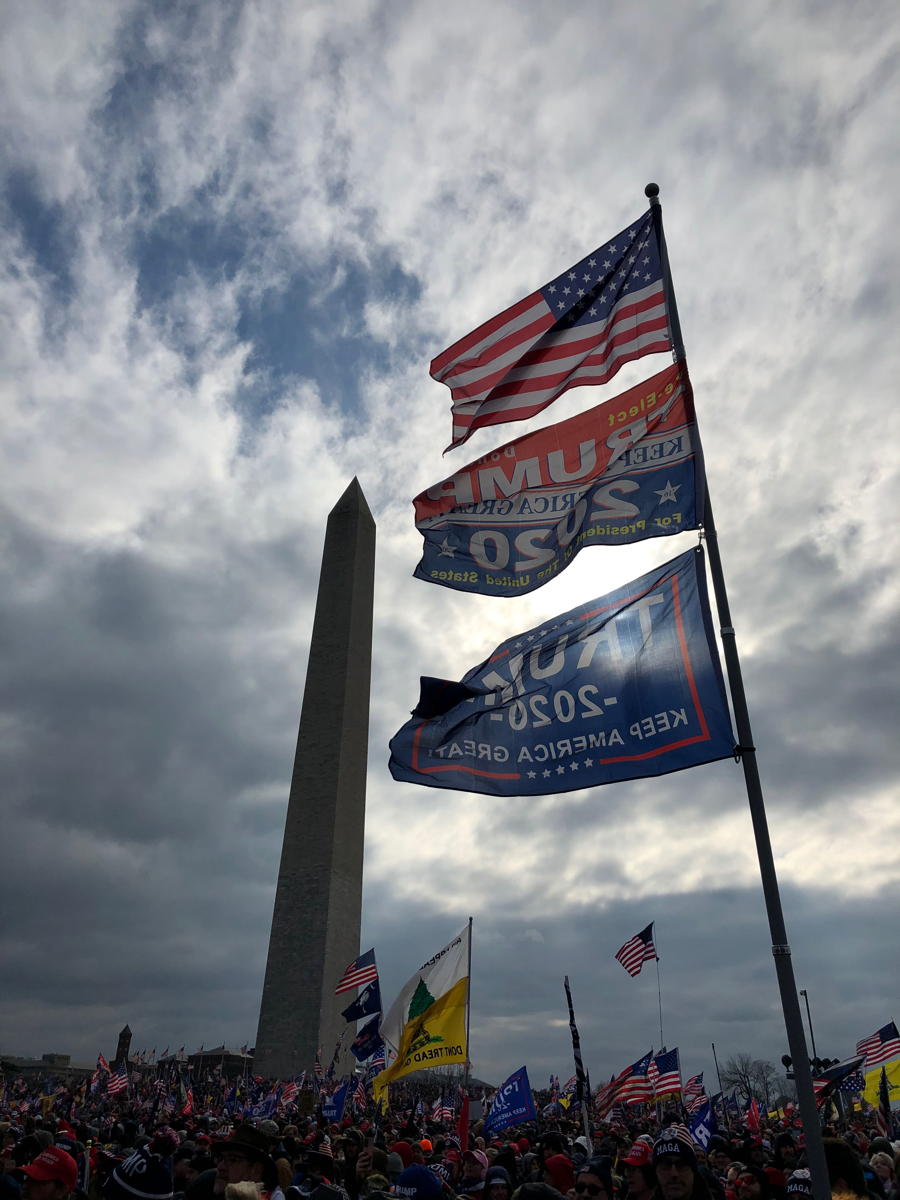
(318, 900)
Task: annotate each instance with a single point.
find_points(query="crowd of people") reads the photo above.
(131, 1155)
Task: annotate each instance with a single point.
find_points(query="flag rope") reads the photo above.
(781, 950)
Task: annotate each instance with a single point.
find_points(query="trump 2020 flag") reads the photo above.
(511, 521)
(512, 1104)
(333, 1107)
(703, 1125)
(622, 687)
(579, 328)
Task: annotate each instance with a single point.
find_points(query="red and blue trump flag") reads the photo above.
(579, 328)
(625, 686)
(625, 470)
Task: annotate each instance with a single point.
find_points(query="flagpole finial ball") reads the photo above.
(651, 190)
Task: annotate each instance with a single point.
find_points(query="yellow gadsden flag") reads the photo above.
(433, 1029)
(873, 1082)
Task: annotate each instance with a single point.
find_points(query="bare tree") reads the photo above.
(764, 1080)
(737, 1074)
(750, 1077)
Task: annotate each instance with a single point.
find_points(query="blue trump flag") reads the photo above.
(513, 1104)
(623, 687)
(703, 1125)
(512, 520)
(333, 1107)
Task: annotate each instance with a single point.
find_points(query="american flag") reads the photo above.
(441, 1111)
(665, 1073)
(579, 328)
(118, 1081)
(693, 1088)
(102, 1064)
(289, 1092)
(637, 950)
(359, 1095)
(606, 1096)
(880, 1047)
(377, 1061)
(358, 973)
(842, 1077)
(636, 1088)
(188, 1107)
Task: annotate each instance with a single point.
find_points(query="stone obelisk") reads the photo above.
(318, 899)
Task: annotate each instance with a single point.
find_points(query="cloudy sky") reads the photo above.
(233, 237)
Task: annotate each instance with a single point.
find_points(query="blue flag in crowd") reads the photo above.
(513, 1104)
(703, 1125)
(333, 1108)
(625, 686)
(367, 1042)
(366, 1004)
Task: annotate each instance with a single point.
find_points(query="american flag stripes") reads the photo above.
(880, 1047)
(102, 1064)
(606, 1096)
(578, 329)
(289, 1092)
(693, 1089)
(636, 1088)
(637, 950)
(665, 1073)
(118, 1081)
(359, 1095)
(441, 1111)
(358, 973)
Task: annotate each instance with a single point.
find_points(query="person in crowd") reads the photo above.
(52, 1175)
(753, 1184)
(497, 1184)
(845, 1172)
(559, 1172)
(638, 1172)
(244, 1157)
(593, 1181)
(675, 1165)
(883, 1166)
(473, 1168)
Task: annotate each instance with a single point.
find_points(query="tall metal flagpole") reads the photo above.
(781, 951)
(662, 1040)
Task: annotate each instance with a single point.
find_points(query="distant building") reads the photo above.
(59, 1066)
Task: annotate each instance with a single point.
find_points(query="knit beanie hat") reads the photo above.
(799, 1184)
(675, 1142)
(143, 1176)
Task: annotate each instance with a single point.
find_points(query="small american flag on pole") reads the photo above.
(693, 1089)
(637, 950)
(358, 973)
(118, 1081)
(579, 328)
(665, 1073)
(880, 1047)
